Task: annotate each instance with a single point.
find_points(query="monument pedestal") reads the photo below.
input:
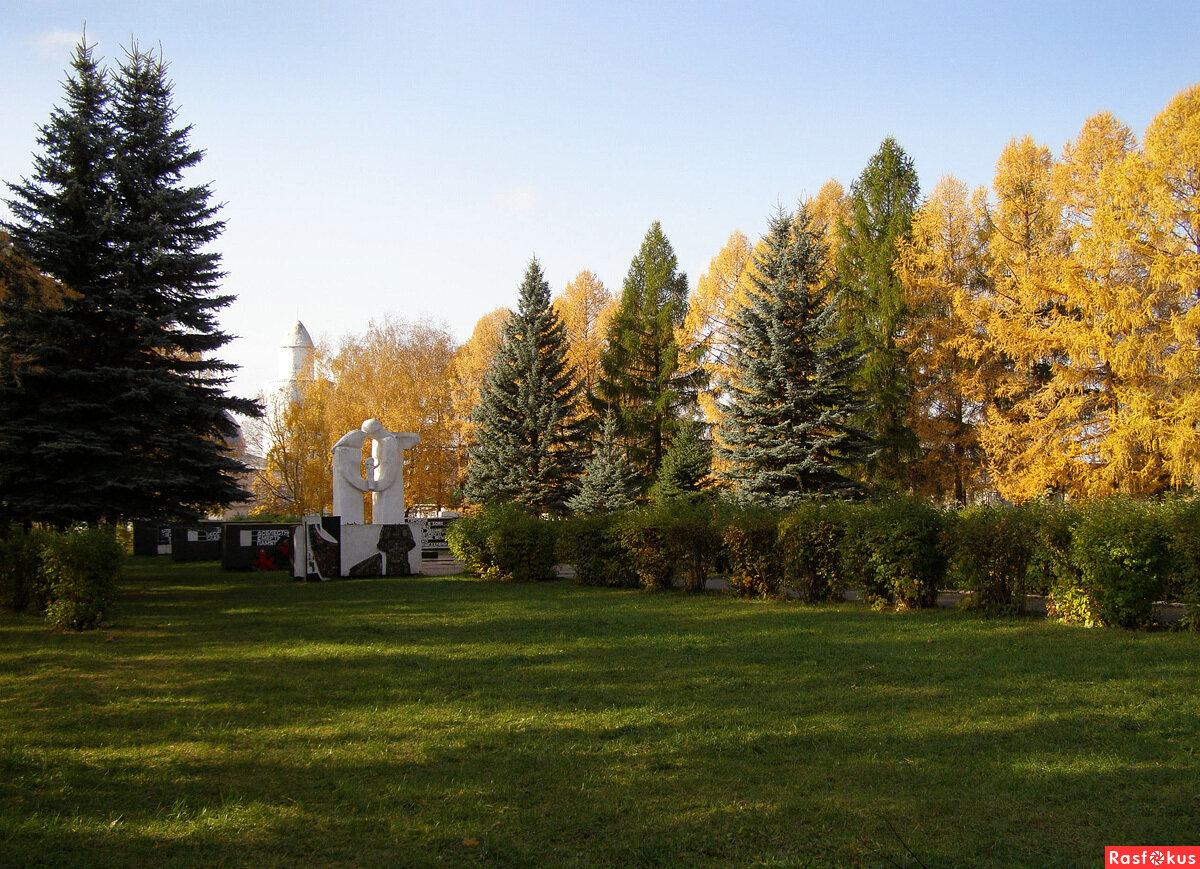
(342, 545)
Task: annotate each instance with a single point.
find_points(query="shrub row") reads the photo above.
(1104, 562)
(504, 543)
(70, 577)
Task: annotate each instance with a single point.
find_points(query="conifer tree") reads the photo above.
(529, 433)
(686, 465)
(787, 434)
(943, 271)
(641, 380)
(124, 413)
(608, 480)
(883, 200)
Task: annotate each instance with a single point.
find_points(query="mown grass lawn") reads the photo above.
(229, 719)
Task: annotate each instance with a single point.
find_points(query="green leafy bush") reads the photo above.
(990, 549)
(751, 538)
(671, 539)
(1182, 519)
(591, 545)
(893, 552)
(504, 543)
(1121, 559)
(1050, 562)
(21, 584)
(810, 543)
(80, 569)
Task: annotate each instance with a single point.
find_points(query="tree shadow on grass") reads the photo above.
(452, 723)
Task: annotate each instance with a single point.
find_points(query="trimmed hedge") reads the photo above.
(1121, 559)
(80, 569)
(751, 539)
(1104, 562)
(590, 544)
(893, 552)
(70, 577)
(504, 544)
(990, 550)
(1182, 520)
(810, 549)
(671, 540)
(21, 585)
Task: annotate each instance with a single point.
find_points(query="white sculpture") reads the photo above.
(384, 477)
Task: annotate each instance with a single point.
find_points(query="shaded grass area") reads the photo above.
(230, 719)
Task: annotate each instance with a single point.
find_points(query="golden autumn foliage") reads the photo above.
(830, 210)
(940, 267)
(1162, 229)
(294, 479)
(1082, 331)
(468, 370)
(398, 372)
(1053, 344)
(585, 308)
(705, 335)
(1026, 436)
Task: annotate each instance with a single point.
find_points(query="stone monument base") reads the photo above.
(326, 549)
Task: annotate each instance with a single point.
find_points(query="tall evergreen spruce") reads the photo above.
(883, 200)
(786, 435)
(641, 379)
(686, 465)
(528, 428)
(608, 482)
(124, 413)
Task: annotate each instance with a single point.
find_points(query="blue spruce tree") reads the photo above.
(786, 435)
(529, 426)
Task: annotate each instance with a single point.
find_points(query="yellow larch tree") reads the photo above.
(1033, 439)
(830, 210)
(1113, 337)
(952, 371)
(704, 337)
(1160, 200)
(585, 308)
(469, 368)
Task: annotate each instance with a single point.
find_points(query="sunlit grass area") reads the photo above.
(229, 719)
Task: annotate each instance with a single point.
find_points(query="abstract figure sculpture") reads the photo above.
(346, 546)
(384, 477)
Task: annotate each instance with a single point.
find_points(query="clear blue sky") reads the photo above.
(411, 157)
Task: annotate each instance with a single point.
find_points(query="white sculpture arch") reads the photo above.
(384, 477)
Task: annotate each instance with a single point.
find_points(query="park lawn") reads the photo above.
(234, 719)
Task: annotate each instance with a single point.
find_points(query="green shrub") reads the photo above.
(591, 545)
(1119, 551)
(504, 543)
(893, 552)
(1182, 519)
(671, 539)
(21, 584)
(751, 539)
(1050, 562)
(989, 550)
(80, 569)
(1191, 612)
(810, 543)
(466, 537)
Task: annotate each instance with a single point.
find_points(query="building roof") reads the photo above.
(297, 336)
